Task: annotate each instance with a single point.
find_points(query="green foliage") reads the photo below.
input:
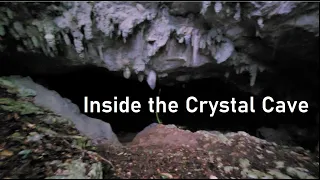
(157, 116)
(14, 89)
(22, 107)
(25, 153)
(158, 119)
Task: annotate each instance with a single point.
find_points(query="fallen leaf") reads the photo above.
(2, 146)
(68, 161)
(9, 116)
(25, 153)
(77, 137)
(6, 153)
(73, 132)
(69, 155)
(31, 126)
(16, 116)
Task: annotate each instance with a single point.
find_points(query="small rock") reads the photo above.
(279, 164)
(34, 137)
(220, 165)
(140, 7)
(213, 177)
(49, 36)
(269, 152)
(244, 172)
(171, 126)
(261, 175)
(54, 162)
(244, 163)
(260, 156)
(252, 175)
(299, 148)
(206, 146)
(228, 169)
(31, 126)
(302, 169)
(267, 176)
(299, 173)
(242, 133)
(277, 174)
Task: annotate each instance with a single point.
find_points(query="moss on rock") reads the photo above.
(21, 107)
(14, 89)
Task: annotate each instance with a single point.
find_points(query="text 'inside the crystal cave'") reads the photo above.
(194, 105)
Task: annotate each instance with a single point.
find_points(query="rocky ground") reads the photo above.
(169, 152)
(36, 143)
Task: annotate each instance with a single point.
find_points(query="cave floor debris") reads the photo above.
(169, 152)
(39, 144)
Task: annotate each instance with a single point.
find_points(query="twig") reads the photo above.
(90, 153)
(100, 157)
(83, 150)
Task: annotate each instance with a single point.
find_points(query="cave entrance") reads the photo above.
(98, 84)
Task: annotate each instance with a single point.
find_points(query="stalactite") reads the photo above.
(195, 45)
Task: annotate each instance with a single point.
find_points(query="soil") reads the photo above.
(164, 152)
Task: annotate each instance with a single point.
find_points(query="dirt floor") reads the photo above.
(34, 145)
(168, 152)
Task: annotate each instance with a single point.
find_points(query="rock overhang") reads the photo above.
(178, 42)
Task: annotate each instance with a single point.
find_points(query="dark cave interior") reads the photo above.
(101, 85)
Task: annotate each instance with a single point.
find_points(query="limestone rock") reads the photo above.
(168, 38)
(94, 128)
